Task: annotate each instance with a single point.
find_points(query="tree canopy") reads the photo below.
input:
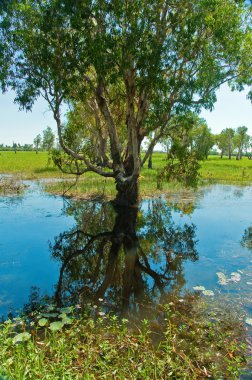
(133, 65)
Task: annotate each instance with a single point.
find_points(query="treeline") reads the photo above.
(45, 142)
(234, 142)
(192, 136)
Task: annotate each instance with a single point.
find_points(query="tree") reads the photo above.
(37, 142)
(14, 147)
(225, 141)
(48, 139)
(140, 63)
(242, 141)
(199, 138)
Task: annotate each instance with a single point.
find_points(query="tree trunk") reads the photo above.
(127, 193)
(150, 161)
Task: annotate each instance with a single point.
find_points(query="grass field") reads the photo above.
(29, 165)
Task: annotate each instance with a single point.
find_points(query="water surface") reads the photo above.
(128, 257)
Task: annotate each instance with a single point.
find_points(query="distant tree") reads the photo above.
(48, 139)
(37, 142)
(201, 139)
(225, 141)
(14, 146)
(241, 140)
(26, 147)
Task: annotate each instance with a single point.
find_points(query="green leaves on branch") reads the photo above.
(183, 169)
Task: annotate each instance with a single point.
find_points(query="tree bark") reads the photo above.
(150, 161)
(127, 192)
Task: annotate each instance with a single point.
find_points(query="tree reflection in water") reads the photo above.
(129, 257)
(247, 238)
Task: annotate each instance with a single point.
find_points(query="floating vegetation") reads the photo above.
(56, 326)
(248, 321)
(22, 337)
(199, 288)
(235, 277)
(204, 291)
(11, 186)
(208, 293)
(224, 280)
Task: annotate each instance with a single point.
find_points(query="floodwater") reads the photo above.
(77, 250)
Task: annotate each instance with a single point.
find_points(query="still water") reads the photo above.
(78, 250)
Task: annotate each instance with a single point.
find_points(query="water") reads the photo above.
(128, 257)
(27, 223)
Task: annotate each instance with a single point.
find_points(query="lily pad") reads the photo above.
(50, 315)
(42, 322)
(62, 315)
(66, 310)
(67, 321)
(222, 279)
(235, 277)
(248, 321)
(56, 326)
(50, 307)
(208, 293)
(22, 337)
(199, 288)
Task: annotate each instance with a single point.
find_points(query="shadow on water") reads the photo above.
(129, 257)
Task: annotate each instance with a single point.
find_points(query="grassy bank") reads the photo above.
(183, 341)
(29, 165)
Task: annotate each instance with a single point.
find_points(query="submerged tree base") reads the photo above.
(182, 341)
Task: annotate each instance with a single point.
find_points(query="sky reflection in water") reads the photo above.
(168, 250)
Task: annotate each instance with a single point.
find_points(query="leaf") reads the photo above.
(49, 315)
(66, 310)
(248, 321)
(22, 337)
(67, 321)
(50, 307)
(56, 326)
(42, 322)
(199, 288)
(62, 315)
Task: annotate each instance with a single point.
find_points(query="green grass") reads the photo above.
(183, 341)
(29, 165)
(225, 170)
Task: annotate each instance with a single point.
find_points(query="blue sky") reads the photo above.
(232, 109)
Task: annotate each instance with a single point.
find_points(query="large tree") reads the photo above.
(241, 141)
(48, 139)
(137, 63)
(37, 142)
(225, 141)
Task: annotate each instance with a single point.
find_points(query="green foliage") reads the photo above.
(37, 142)
(241, 141)
(182, 166)
(182, 340)
(48, 139)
